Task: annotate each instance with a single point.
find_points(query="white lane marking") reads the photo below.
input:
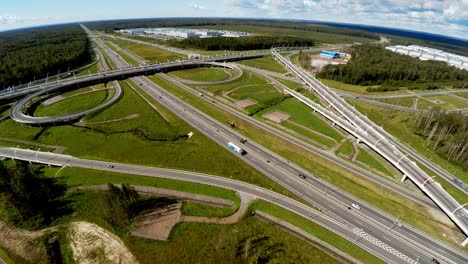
(382, 245)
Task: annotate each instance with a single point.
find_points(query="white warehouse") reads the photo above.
(425, 53)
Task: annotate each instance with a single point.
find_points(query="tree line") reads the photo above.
(374, 65)
(244, 43)
(30, 54)
(446, 133)
(110, 26)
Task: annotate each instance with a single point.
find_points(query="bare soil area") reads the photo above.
(244, 103)
(277, 116)
(158, 224)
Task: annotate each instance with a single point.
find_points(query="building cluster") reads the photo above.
(183, 33)
(425, 53)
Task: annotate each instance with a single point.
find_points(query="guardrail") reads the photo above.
(352, 121)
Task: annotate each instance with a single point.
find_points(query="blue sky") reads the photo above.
(443, 17)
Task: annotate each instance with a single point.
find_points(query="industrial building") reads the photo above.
(183, 33)
(425, 53)
(330, 54)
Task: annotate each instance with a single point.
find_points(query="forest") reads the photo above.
(247, 43)
(374, 65)
(446, 133)
(110, 26)
(30, 54)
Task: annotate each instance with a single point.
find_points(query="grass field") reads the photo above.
(400, 126)
(91, 69)
(446, 102)
(148, 52)
(198, 209)
(266, 63)
(202, 74)
(303, 115)
(346, 148)
(377, 195)
(405, 101)
(73, 104)
(365, 157)
(344, 86)
(148, 140)
(85, 177)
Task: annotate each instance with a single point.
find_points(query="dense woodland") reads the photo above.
(29, 53)
(110, 26)
(247, 43)
(29, 199)
(446, 133)
(374, 65)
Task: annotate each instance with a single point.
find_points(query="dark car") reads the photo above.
(302, 176)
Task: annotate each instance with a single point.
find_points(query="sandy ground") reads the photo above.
(93, 244)
(158, 223)
(53, 100)
(244, 103)
(277, 116)
(20, 243)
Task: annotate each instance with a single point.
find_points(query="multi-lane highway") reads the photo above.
(401, 242)
(378, 232)
(361, 127)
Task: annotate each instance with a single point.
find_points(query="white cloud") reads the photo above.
(443, 17)
(196, 6)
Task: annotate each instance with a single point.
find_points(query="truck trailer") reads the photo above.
(236, 148)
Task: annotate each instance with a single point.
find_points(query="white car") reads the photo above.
(356, 206)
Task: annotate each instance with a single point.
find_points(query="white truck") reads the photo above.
(236, 148)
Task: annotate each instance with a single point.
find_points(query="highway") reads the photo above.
(261, 193)
(402, 243)
(411, 194)
(364, 130)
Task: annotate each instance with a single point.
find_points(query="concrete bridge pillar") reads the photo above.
(465, 242)
(404, 178)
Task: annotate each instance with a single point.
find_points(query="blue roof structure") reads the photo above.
(329, 54)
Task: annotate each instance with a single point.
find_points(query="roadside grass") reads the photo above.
(464, 95)
(12, 129)
(73, 104)
(266, 63)
(149, 123)
(303, 115)
(6, 257)
(405, 101)
(148, 52)
(346, 148)
(91, 69)
(243, 80)
(122, 54)
(366, 190)
(199, 209)
(446, 102)
(400, 126)
(309, 134)
(5, 109)
(316, 230)
(108, 61)
(87, 177)
(294, 86)
(213, 74)
(209, 243)
(365, 157)
(9, 144)
(344, 86)
(251, 88)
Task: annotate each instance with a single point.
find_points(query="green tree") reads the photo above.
(28, 198)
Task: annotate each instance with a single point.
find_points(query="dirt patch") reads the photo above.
(21, 243)
(244, 103)
(277, 116)
(158, 224)
(93, 244)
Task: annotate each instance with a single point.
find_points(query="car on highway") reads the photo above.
(356, 206)
(302, 176)
(426, 181)
(243, 140)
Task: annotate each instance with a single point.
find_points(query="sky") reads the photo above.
(449, 17)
